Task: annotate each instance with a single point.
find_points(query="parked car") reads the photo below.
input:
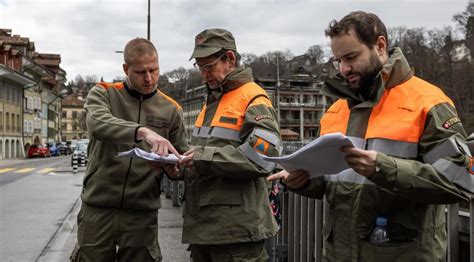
(79, 153)
(36, 150)
(53, 149)
(71, 144)
(63, 148)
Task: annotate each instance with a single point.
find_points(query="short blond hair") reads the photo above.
(138, 47)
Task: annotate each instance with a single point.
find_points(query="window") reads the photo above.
(1, 119)
(64, 114)
(18, 96)
(37, 103)
(18, 123)
(74, 115)
(7, 117)
(13, 95)
(63, 126)
(29, 104)
(7, 93)
(74, 126)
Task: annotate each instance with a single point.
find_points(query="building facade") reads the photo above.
(299, 104)
(30, 101)
(73, 118)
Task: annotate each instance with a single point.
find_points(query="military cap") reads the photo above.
(211, 41)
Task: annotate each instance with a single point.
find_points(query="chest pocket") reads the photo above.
(159, 124)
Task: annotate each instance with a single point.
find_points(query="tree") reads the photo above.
(462, 19)
(247, 59)
(316, 54)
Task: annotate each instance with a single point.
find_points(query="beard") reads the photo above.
(367, 75)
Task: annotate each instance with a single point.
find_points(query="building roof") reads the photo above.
(72, 101)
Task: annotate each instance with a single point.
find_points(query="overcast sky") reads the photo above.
(87, 33)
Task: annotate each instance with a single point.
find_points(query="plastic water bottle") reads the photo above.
(379, 235)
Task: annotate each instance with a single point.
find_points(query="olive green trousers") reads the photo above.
(247, 251)
(110, 234)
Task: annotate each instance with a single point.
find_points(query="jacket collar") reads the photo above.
(238, 77)
(134, 93)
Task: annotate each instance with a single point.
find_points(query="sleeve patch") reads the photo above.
(261, 146)
(451, 121)
(261, 117)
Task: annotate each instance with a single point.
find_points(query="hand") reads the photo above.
(295, 179)
(159, 144)
(362, 161)
(171, 170)
(187, 159)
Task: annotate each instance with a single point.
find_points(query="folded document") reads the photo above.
(137, 152)
(322, 156)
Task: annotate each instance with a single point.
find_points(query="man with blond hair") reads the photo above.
(121, 196)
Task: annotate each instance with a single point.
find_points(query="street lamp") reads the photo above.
(148, 24)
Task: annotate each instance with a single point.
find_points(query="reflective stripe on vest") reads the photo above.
(457, 174)
(253, 156)
(395, 126)
(453, 172)
(219, 132)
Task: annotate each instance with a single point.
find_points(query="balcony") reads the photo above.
(290, 121)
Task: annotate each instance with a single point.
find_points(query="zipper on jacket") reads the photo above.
(131, 159)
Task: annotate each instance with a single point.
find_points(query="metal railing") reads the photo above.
(300, 236)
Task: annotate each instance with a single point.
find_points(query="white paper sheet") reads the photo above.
(323, 156)
(137, 152)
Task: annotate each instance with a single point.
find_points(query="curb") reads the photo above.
(55, 247)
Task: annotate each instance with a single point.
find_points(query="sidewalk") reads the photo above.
(170, 223)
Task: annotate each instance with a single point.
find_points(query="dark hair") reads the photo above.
(367, 26)
(138, 47)
(225, 58)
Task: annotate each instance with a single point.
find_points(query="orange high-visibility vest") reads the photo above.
(233, 106)
(400, 114)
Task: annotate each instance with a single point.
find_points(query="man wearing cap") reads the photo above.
(227, 214)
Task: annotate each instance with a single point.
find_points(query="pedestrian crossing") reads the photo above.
(26, 170)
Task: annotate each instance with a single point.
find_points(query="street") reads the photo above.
(39, 202)
(35, 197)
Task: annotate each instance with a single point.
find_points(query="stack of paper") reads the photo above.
(323, 156)
(137, 152)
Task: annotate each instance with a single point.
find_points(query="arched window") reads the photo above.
(18, 151)
(7, 148)
(12, 148)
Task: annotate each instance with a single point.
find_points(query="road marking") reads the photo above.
(4, 170)
(47, 170)
(24, 170)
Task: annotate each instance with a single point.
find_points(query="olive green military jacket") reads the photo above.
(226, 195)
(114, 113)
(409, 191)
